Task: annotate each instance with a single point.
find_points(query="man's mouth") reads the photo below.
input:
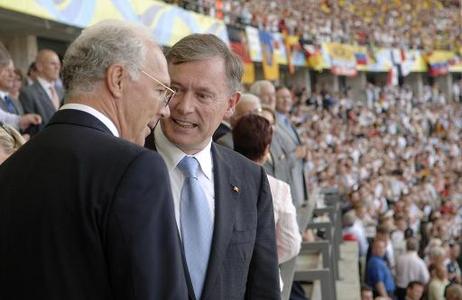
(184, 124)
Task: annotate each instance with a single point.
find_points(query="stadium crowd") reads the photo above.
(397, 158)
(414, 24)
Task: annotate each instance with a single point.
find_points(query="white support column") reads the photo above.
(415, 81)
(23, 50)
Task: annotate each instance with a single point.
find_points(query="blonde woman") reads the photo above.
(10, 141)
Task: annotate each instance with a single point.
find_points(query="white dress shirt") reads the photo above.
(9, 118)
(88, 109)
(288, 238)
(46, 86)
(172, 155)
(410, 267)
(6, 117)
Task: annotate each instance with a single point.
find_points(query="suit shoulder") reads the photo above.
(236, 160)
(129, 149)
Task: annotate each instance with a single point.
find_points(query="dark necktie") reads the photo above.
(10, 105)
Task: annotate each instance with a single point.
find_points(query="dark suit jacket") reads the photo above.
(222, 129)
(35, 99)
(243, 261)
(86, 215)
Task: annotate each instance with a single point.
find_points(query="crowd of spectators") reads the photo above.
(416, 24)
(397, 158)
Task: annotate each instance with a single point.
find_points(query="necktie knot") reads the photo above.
(189, 166)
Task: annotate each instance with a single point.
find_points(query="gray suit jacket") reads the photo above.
(282, 157)
(290, 168)
(17, 106)
(35, 100)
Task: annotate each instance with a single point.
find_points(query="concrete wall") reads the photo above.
(444, 84)
(328, 81)
(357, 85)
(415, 81)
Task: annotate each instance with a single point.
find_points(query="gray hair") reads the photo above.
(100, 46)
(197, 47)
(249, 98)
(257, 86)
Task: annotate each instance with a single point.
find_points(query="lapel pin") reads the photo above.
(236, 189)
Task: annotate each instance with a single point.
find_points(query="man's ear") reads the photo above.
(232, 102)
(115, 75)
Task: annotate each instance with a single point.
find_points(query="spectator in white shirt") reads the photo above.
(410, 267)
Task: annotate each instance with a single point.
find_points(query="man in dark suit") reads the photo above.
(43, 97)
(229, 245)
(85, 212)
(223, 128)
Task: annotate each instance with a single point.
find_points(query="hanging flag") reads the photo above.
(314, 56)
(392, 76)
(270, 65)
(342, 59)
(438, 62)
(238, 44)
(361, 58)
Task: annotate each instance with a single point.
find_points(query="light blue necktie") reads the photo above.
(196, 224)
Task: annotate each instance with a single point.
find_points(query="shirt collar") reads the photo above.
(88, 109)
(3, 94)
(45, 83)
(173, 155)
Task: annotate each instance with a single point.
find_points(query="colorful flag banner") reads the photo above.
(254, 44)
(342, 59)
(238, 43)
(270, 65)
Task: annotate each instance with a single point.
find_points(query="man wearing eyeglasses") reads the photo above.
(86, 213)
(223, 204)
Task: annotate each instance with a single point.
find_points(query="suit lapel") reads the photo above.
(226, 195)
(290, 131)
(44, 99)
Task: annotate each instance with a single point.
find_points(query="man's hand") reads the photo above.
(300, 152)
(28, 120)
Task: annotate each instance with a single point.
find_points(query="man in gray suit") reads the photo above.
(223, 206)
(43, 97)
(11, 111)
(284, 155)
(284, 104)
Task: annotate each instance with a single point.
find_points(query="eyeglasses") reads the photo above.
(167, 93)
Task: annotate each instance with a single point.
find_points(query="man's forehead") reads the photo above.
(204, 82)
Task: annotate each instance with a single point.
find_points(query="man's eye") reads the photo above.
(204, 97)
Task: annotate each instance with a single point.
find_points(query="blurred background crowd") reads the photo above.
(412, 24)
